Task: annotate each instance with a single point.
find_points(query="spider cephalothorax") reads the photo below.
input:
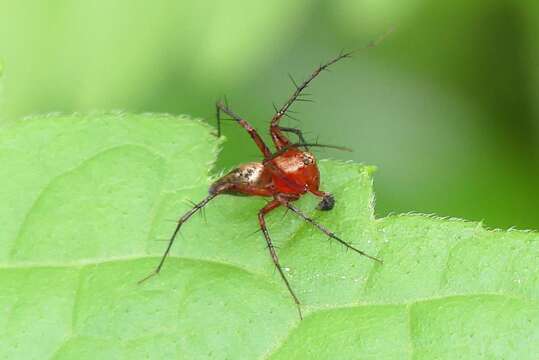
(283, 175)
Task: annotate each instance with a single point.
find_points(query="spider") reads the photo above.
(284, 175)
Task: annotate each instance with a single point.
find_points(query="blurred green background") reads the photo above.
(447, 106)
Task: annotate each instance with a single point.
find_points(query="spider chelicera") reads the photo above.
(284, 175)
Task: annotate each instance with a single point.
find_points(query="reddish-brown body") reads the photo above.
(290, 174)
(285, 175)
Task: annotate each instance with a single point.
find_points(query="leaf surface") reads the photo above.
(85, 201)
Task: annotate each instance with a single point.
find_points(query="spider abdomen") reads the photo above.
(247, 179)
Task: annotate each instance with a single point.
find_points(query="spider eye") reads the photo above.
(308, 159)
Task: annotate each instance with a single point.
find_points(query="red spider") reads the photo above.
(284, 175)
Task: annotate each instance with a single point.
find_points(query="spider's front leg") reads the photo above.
(326, 231)
(296, 132)
(276, 131)
(244, 124)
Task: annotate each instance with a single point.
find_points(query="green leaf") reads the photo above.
(85, 199)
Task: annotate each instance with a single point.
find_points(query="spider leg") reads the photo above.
(326, 231)
(243, 123)
(181, 221)
(297, 132)
(261, 214)
(277, 136)
(218, 119)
